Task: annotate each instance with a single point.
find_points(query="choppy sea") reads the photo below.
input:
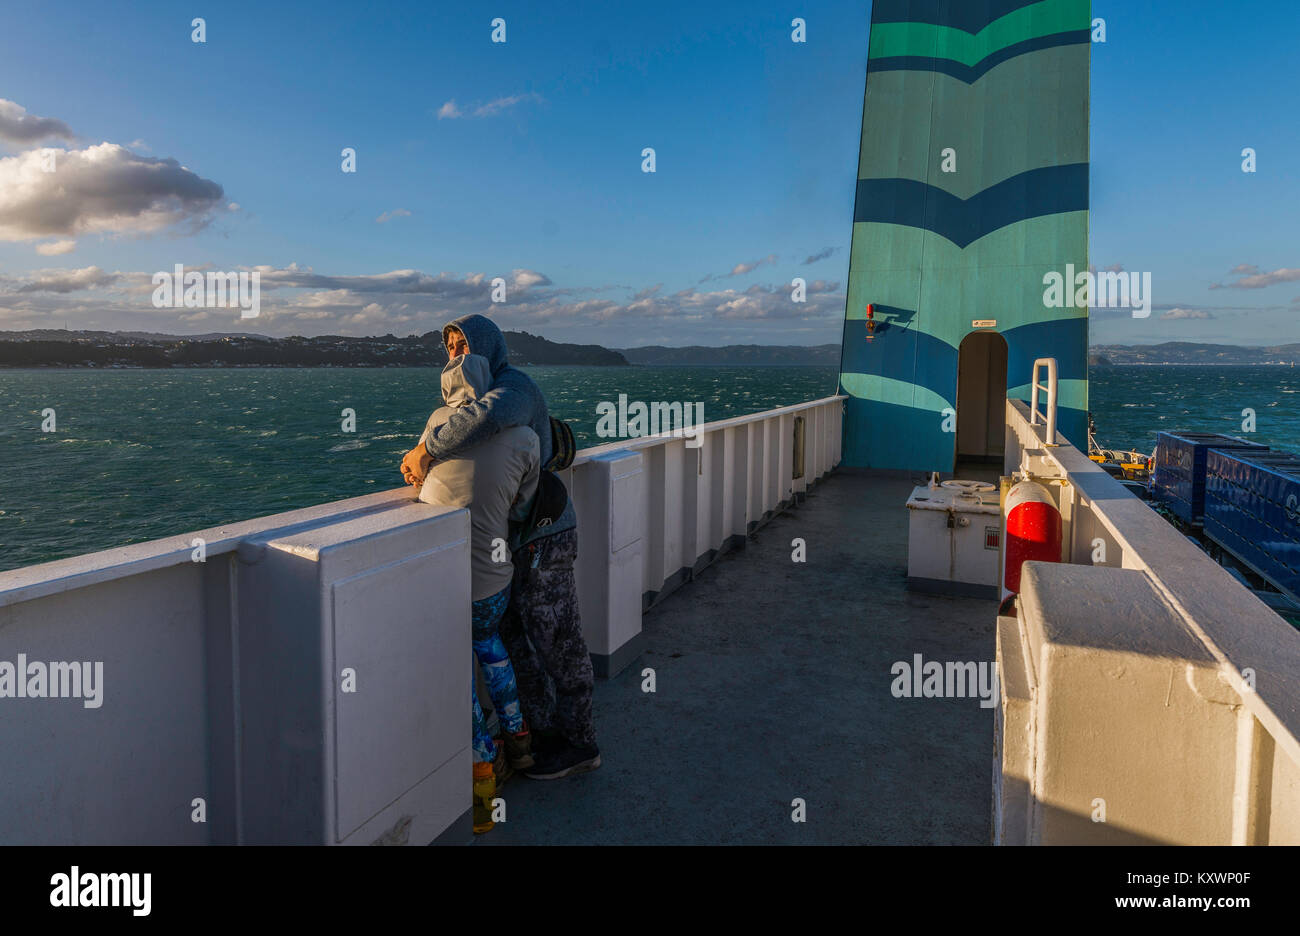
(140, 454)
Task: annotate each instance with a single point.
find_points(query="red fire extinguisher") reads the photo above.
(1033, 530)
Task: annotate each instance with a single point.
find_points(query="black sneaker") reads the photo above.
(547, 741)
(567, 760)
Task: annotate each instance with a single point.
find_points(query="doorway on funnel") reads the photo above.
(981, 406)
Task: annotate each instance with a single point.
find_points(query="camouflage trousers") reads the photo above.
(543, 633)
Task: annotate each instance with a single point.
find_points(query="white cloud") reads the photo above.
(445, 286)
(740, 269)
(56, 248)
(66, 281)
(450, 110)
(390, 215)
(497, 105)
(299, 300)
(1260, 280)
(522, 279)
(18, 126)
(101, 189)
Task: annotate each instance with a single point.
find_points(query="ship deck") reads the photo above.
(773, 683)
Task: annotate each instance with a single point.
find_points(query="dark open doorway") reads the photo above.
(981, 400)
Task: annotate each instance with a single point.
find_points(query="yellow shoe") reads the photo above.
(485, 790)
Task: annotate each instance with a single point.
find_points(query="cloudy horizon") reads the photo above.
(388, 195)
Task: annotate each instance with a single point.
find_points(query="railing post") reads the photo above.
(1050, 389)
(610, 499)
(353, 676)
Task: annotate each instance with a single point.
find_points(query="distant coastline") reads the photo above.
(133, 351)
(50, 348)
(1186, 352)
(99, 350)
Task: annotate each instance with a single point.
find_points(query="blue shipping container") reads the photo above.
(1252, 509)
(1178, 480)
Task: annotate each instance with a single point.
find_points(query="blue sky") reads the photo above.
(523, 160)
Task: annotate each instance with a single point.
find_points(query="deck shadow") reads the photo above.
(773, 684)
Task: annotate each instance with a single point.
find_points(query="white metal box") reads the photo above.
(954, 539)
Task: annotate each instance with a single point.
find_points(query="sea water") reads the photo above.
(136, 455)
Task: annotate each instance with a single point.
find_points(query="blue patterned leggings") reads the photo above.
(491, 652)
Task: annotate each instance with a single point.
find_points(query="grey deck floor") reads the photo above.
(773, 682)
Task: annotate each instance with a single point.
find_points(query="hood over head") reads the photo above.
(465, 379)
(484, 339)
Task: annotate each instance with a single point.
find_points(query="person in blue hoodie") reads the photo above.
(542, 629)
(514, 400)
(496, 481)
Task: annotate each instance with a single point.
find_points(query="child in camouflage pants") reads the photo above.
(542, 631)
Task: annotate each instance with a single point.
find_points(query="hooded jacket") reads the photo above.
(513, 399)
(496, 479)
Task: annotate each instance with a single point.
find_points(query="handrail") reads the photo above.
(59, 575)
(638, 442)
(1050, 390)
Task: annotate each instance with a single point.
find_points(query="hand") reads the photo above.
(416, 465)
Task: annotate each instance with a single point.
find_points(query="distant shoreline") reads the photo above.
(95, 350)
(1192, 364)
(1092, 368)
(218, 366)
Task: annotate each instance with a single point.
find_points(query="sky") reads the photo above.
(522, 161)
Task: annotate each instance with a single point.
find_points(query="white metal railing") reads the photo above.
(1050, 389)
(61, 575)
(1211, 675)
(653, 510)
(208, 653)
(206, 660)
(649, 441)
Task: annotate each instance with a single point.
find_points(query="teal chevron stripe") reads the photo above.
(897, 392)
(1037, 133)
(925, 40)
(1024, 251)
(1032, 194)
(971, 74)
(969, 15)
